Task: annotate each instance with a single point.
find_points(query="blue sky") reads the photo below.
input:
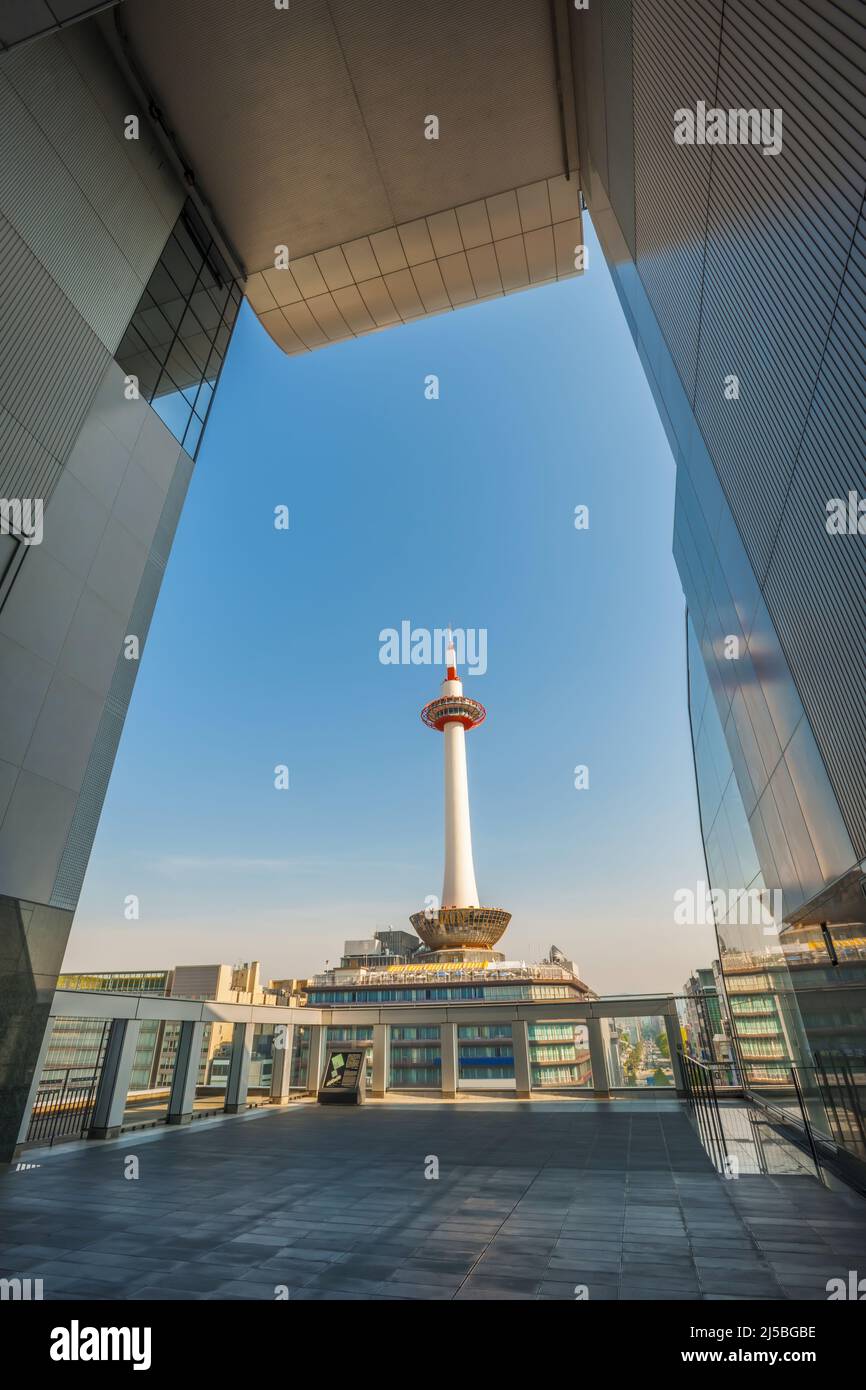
(264, 650)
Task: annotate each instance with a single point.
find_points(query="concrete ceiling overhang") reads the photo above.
(305, 127)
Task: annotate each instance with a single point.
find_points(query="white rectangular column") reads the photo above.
(185, 1077)
(114, 1079)
(522, 1064)
(675, 1042)
(381, 1058)
(239, 1068)
(281, 1073)
(448, 1076)
(598, 1058)
(318, 1036)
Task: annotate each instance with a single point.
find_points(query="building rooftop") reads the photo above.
(243, 1207)
(443, 972)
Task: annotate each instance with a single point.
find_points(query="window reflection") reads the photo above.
(178, 336)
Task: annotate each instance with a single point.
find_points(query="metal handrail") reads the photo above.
(703, 1103)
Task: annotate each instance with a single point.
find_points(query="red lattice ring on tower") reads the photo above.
(453, 709)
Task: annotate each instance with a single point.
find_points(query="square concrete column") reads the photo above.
(381, 1058)
(449, 1073)
(598, 1058)
(239, 1068)
(185, 1077)
(675, 1041)
(281, 1073)
(318, 1040)
(522, 1064)
(34, 1084)
(114, 1079)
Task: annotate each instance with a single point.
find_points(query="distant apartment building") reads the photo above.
(761, 1022)
(77, 1045)
(703, 1014)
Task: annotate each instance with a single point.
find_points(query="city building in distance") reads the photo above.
(77, 1046)
(705, 1033)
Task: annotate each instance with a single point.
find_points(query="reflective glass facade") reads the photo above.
(559, 1055)
(764, 1020)
(416, 1056)
(300, 1063)
(755, 354)
(179, 334)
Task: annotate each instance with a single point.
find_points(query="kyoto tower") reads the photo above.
(460, 929)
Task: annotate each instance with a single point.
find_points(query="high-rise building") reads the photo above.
(145, 187)
(721, 162)
(704, 1028)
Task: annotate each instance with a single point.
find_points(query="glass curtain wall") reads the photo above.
(416, 1056)
(761, 1010)
(177, 340)
(559, 1055)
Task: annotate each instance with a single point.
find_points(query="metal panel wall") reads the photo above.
(829, 653)
(617, 49)
(21, 21)
(50, 365)
(70, 181)
(63, 670)
(754, 265)
(778, 235)
(73, 864)
(84, 215)
(675, 65)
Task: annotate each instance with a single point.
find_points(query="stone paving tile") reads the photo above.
(569, 1267)
(333, 1204)
(399, 1288)
(415, 1274)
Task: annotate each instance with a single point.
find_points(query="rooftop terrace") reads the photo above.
(530, 1202)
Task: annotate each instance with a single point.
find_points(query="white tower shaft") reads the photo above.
(458, 888)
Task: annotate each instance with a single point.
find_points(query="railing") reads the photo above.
(703, 1103)
(817, 1108)
(827, 1097)
(413, 972)
(842, 1083)
(64, 1106)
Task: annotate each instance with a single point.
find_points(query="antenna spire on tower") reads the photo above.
(450, 657)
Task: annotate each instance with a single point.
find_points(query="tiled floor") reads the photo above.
(531, 1201)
